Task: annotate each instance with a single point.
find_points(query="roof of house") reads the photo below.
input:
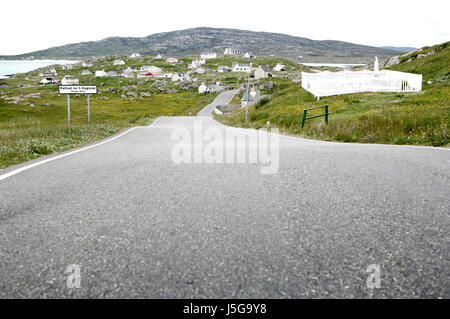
(266, 68)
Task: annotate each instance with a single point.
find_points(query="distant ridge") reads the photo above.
(194, 41)
(399, 49)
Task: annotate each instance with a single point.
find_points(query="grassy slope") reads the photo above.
(407, 118)
(38, 126)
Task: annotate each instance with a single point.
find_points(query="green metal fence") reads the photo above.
(313, 117)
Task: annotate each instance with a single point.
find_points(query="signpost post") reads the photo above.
(78, 89)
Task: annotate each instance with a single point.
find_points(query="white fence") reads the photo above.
(335, 83)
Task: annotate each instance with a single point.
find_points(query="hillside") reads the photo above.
(399, 49)
(197, 40)
(391, 118)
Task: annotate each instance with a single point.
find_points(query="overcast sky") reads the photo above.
(33, 25)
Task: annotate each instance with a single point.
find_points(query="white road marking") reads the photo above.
(27, 167)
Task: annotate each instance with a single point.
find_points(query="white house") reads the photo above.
(119, 62)
(128, 73)
(200, 71)
(203, 88)
(101, 73)
(230, 51)
(180, 77)
(70, 80)
(172, 60)
(86, 64)
(159, 57)
(279, 67)
(67, 67)
(135, 56)
(86, 72)
(209, 55)
(150, 68)
(113, 74)
(263, 72)
(46, 81)
(237, 67)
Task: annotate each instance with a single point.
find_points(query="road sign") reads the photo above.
(77, 89)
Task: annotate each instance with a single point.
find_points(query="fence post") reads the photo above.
(326, 114)
(304, 118)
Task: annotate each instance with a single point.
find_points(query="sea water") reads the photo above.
(8, 67)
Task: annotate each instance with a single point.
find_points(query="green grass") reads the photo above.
(27, 132)
(408, 118)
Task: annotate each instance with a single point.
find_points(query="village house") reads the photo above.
(135, 56)
(159, 57)
(86, 64)
(248, 55)
(86, 72)
(263, 72)
(172, 60)
(128, 73)
(237, 67)
(101, 73)
(181, 76)
(48, 80)
(230, 51)
(209, 55)
(119, 62)
(279, 67)
(49, 74)
(223, 69)
(70, 80)
(213, 88)
(150, 68)
(67, 67)
(196, 63)
(200, 71)
(113, 74)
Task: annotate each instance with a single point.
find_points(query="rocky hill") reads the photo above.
(194, 41)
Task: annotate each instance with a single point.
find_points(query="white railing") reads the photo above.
(335, 83)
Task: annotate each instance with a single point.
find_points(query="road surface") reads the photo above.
(223, 98)
(139, 225)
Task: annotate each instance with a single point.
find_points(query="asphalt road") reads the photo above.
(139, 225)
(223, 98)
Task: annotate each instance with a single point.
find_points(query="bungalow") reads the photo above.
(50, 80)
(165, 75)
(86, 72)
(70, 80)
(196, 63)
(279, 67)
(127, 73)
(150, 68)
(248, 55)
(87, 64)
(203, 88)
(209, 55)
(113, 74)
(172, 60)
(223, 69)
(135, 56)
(236, 67)
(49, 74)
(230, 51)
(180, 77)
(213, 88)
(263, 72)
(100, 73)
(119, 62)
(147, 74)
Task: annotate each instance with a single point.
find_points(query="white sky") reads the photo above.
(33, 25)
